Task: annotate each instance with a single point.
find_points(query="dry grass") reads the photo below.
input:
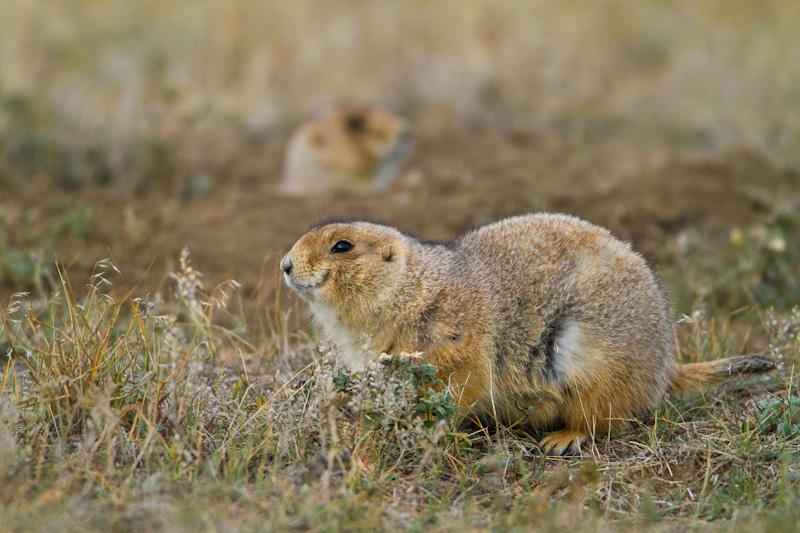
(129, 83)
(122, 413)
(122, 410)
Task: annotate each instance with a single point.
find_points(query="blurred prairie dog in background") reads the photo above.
(351, 147)
(541, 320)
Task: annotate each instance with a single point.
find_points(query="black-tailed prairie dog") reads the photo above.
(356, 148)
(544, 319)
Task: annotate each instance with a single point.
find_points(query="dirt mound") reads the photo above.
(454, 183)
(466, 181)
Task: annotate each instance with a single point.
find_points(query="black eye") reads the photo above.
(341, 247)
(356, 123)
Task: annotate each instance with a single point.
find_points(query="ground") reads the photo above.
(689, 214)
(140, 147)
(456, 181)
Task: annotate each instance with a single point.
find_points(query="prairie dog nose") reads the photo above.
(286, 264)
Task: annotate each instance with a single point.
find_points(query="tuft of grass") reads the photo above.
(26, 234)
(754, 266)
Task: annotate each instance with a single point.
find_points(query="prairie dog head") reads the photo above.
(348, 269)
(356, 148)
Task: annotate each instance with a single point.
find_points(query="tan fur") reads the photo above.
(357, 148)
(546, 320)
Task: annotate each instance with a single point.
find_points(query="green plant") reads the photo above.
(781, 416)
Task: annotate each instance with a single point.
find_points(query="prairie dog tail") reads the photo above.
(699, 376)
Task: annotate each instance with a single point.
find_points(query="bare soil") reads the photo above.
(239, 227)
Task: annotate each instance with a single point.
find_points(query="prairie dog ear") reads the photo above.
(394, 250)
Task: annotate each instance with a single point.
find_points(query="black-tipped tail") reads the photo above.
(700, 376)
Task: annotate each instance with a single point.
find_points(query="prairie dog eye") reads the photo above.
(341, 247)
(356, 123)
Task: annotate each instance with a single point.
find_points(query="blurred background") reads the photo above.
(133, 129)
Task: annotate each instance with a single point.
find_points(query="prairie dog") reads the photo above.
(357, 148)
(544, 319)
